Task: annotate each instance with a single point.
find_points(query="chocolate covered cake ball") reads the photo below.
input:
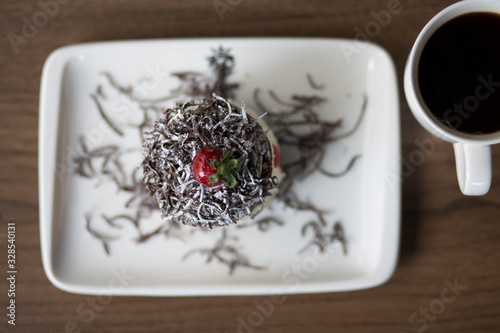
(209, 163)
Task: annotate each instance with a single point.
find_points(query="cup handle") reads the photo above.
(473, 168)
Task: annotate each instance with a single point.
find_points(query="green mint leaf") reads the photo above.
(226, 156)
(213, 163)
(229, 180)
(225, 169)
(214, 178)
(234, 163)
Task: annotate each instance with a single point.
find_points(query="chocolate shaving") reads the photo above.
(129, 92)
(357, 124)
(321, 238)
(264, 224)
(338, 174)
(82, 163)
(313, 84)
(101, 237)
(144, 237)
(104, 116)
(225, 254)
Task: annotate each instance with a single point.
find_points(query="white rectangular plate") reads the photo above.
(366, 200)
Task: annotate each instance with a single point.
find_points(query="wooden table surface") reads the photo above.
(446, 238)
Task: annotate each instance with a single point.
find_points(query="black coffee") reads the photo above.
(459, 73)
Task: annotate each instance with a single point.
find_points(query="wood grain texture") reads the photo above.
(444, 234)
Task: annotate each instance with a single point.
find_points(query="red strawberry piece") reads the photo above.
(202, 169)
(213, 167)
(277, 156)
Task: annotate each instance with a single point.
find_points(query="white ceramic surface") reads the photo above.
(366, 200)
(472, 152)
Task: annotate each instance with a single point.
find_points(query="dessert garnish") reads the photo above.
(213, 167)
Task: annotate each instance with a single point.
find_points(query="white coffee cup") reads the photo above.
(472, 151)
